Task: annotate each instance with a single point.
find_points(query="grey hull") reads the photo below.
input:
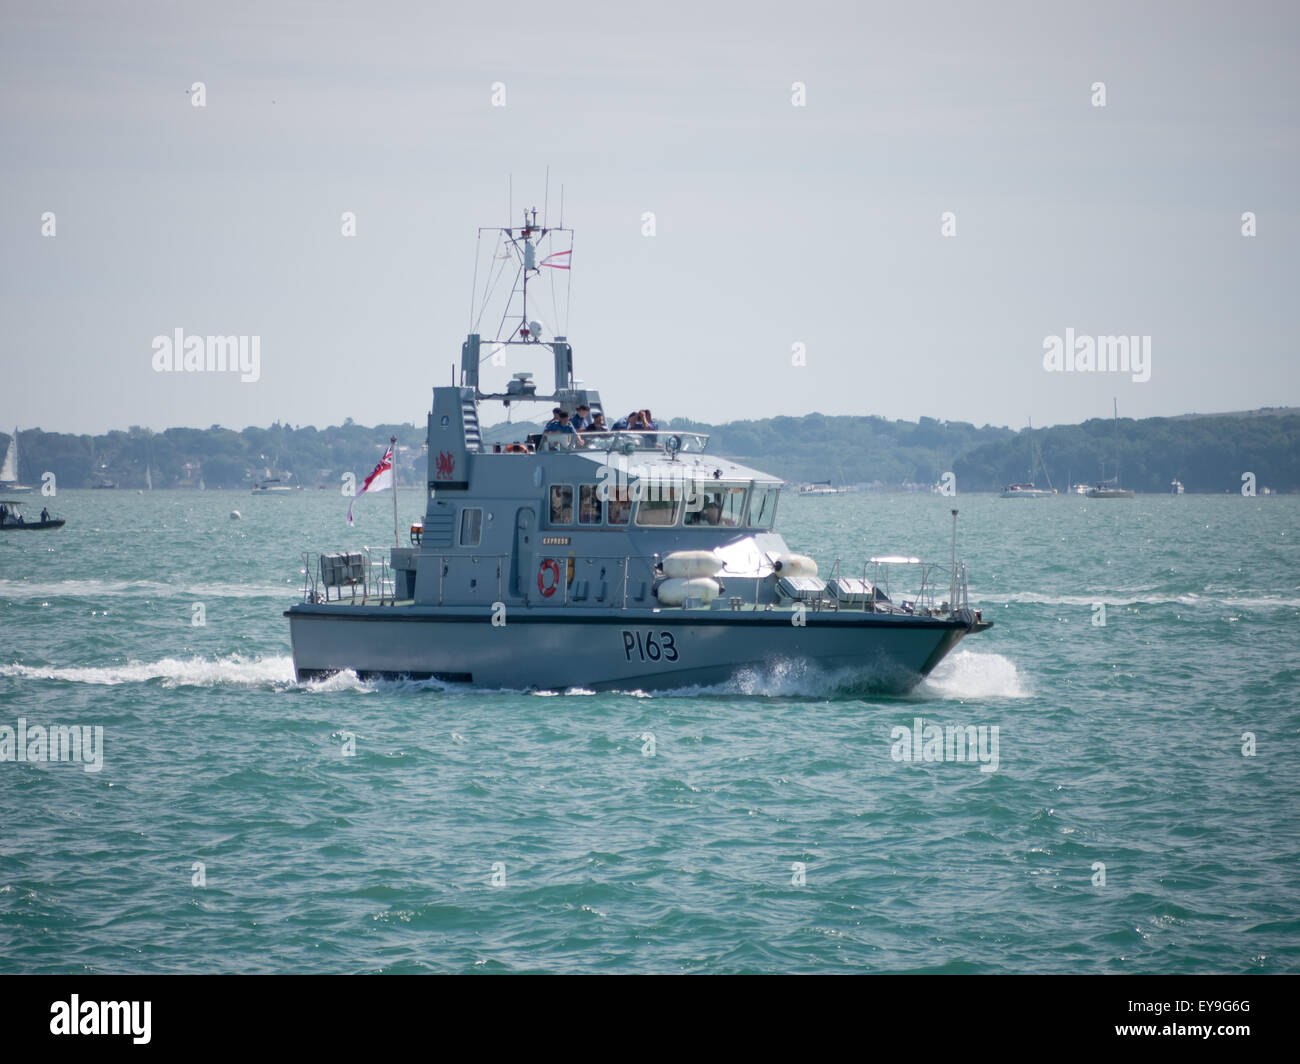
(631, 650)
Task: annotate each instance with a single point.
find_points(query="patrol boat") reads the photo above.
(624, 560)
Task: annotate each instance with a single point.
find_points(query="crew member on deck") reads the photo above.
(562, 424)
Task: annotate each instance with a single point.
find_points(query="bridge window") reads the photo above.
(659, 507)
(589, 505)
(561, 504)
(715, 506)
(620, 506)
(471, 526)
(762, 508)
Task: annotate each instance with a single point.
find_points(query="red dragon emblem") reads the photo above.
(446, 464)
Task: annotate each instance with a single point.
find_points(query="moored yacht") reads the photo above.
(271, 486)
(1024, 491)
(1028, 490)
(1110, 489)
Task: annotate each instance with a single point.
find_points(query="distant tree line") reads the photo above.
(1207, 453)
(216, 456)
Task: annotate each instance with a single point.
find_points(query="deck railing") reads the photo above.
(893, 585)
(347, 575)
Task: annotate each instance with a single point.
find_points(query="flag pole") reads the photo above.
(392, 442)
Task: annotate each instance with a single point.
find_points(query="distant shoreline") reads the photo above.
(1209, 453)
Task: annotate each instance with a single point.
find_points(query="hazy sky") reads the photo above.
(775, 224)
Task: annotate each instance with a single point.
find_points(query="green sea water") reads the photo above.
(1141, 818)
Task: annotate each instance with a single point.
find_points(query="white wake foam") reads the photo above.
(970, 674)
(234, 671)
(964, 674)
(797, 678)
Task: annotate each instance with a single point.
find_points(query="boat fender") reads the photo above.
(553, 567)
(676, 590)
(795, 565)
(689, 564)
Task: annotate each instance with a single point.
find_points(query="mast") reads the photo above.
(1115, 419)
(392, 442)
(1036, 456)
(524, 244)
(952, 590)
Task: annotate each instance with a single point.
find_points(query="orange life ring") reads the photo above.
(554, 567)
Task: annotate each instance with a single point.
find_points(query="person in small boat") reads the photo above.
(4, 514)
(45, 513)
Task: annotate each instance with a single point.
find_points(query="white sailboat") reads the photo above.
(1110, 489)
(9, 470)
